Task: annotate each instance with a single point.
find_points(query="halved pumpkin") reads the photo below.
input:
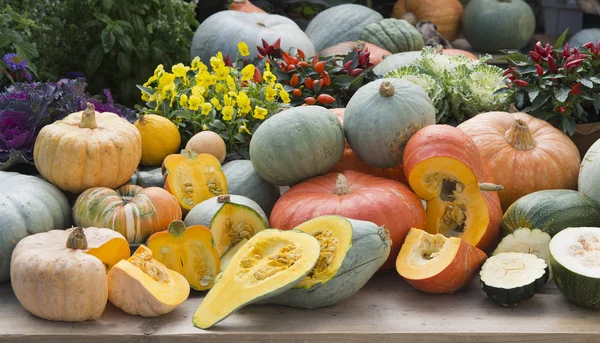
(270, 263)
(443, 166)
(437, 264)
(228, 256)
(193, 178)
(188, 251)
(143, 286)
(351, 252)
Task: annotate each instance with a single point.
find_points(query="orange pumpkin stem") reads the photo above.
(88, 117)
(223, 198)
(341, 186)
(176, 227)
(490, 187)
(76, 239)
(386, 89)
(519, 136)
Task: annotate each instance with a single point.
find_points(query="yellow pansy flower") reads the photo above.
(244, 128)
(183, 100)
(151, 80)
(228, 101)
(260, 113)
(279, 86)
(243, 48)
(217, 61)
(231, 83)
(198, 90)
(270, 93)
(221, 73)
(220, 88)
(243, 100)
(284, 96)
(268, 66)
(245, 110)
(194, 102)
(227, 113)
(204, 127)
(198, 65)
(206, 108)
(165, 80)
(216, 103)
(269, 77)
(248, 72)
(180, 70)
(170, 88)
(205, 79)
(159, 70)
(145, 96)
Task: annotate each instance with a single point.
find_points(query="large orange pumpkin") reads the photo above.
(444, 167)
(353, 195)
(446, 14)
(377, 54)
(523, 153)
(351, 162)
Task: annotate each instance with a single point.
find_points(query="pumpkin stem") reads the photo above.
(384, 233)
(490, 187)
(176, 227)
(223, 198)
(341, 186)
(519, 136)
(386, 89)
(142, 119)
(76, 239)
(88, 117)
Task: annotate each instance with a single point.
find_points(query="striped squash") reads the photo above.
(131, 210)
(394, 35)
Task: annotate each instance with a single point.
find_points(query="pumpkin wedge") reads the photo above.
(351, 252)
(270, 263)
(143, 286)
(443, 166)
(437, 264)
(193, 178)
(188, 251)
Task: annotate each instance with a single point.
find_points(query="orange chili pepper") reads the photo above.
(325, 99)
(310, 100)
(320, 67)
(294, 80)
(301, 53)
(297, 93)
(315, 60)
(308, 83)
(302, 64)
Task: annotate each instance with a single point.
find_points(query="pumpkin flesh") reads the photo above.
(232, 223)
(228, 256)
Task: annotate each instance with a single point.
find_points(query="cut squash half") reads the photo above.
(188, 251)
(228, 256)
(270, 263)
(143, 286)
(437, 264)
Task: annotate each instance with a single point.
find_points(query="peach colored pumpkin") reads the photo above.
(377, 54)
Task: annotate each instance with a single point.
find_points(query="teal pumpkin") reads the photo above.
(396, 61)
(147, 177)
(340, 24)
(382, 116)
(585, 36)
(394, 35)
(28, 205)
(492, 25)
(297, 144)
(589, 174)
(243, 180)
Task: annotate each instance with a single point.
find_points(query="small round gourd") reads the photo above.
(208, 142)
(160, 138)
(394, 35)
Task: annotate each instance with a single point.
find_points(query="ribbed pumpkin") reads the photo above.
(394, 35)
(396, 61)
(445, 14)
(589, 177)
(131, 210)
(353, 195)
(88, 149)
(340, 24)
(377, 54)
(147, 177)
(243, 180)
(524, 154)
(297, 144)
(160, 138)
(382, 116)
(584, 36)
(351, 162)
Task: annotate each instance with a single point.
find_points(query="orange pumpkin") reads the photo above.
(523, 153)
(244, 6)
(446, 14)
(353, 195)
(444, 167)
(377, 54)
(350, 161)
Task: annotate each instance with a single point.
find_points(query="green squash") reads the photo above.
(396, 61)
(243, 180)
(551, 211)
(584, 36)
(382, 116)
(394, 35)
(492, 25)
(28, 205)
(574, 261)
(362, 248)
(340, 24)
(147, 177)
(589, 177)
(297, 144)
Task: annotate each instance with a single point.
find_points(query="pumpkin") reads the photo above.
(131, 210)
(394, 35)
(436, 264)
(231, 218)
(589, 179)
(141, 285)
(445, 14)
(443, 166)
(147, 177)
(244, 6)
(61, 274)
(188, 251)
(492, 25)
(243, 180)
(451, 52)
(382, 116)
(193, 178)
(28, 205)
(88, 149)
(351, 252)
(350, 161)
(584, 36)
(269, 264)
(297, 144)
(223, 30)
(208, 142)
(396, 61)
(353, 195)
(228, 256)
(340, 23)
(377, 54)
(524, 154)
(160, 138)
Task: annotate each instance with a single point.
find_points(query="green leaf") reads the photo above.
(595, 79)
(586, 82)
(26, 50)
(533, 94)
(559, 42)
(94, 59)
(123, 62)
(108, 39)
(126, 44)
(561, 93)
(520, 99)
(540, 101)
(219, 125)
(568, 124)
(107, 4)
(146, 90)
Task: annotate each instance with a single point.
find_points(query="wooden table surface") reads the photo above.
(387, 309)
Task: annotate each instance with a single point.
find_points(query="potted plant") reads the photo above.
(560, 85)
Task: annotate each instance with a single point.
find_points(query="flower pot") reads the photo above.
(586, 135)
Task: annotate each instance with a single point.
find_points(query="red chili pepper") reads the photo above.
(262, 51)
(320, 67)
(260, 56)
(539, 69)
(297, 93)
(520, 83)
(315, 83)
(294, 59)
(308, 83)
(548, 49)
(552, 65)
(573, 64)
(515, 72)
(509, 85)
(277, 44)
(589, 45)
(566, 51)
(535, 56)
(315, 60)
(302, 64)
(301, 53)
(291, 67)
(310, 100)
(597, 49)
(510, 77)
(325, 99)
(347, 65)
(562, 109)
(294, 80)
(540, 49)
(506, 72)
(265, 44)
(257, 76)
(356, 72)
(576, 90)
(576, 53)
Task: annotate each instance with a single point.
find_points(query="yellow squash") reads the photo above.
(160, 138)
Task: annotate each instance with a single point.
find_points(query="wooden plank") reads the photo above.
(387, 309)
